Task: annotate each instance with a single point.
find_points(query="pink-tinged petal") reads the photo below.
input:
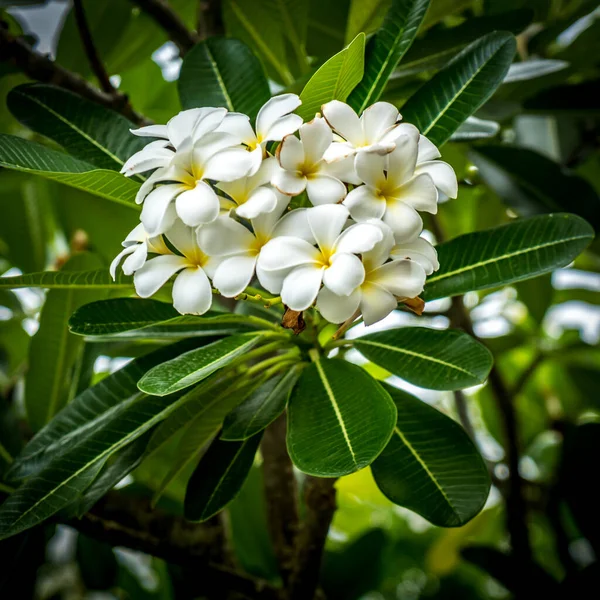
(156, 272)
(402, 161)
(403, 278)
(443, 175)
(209, 121)
(326, 222)
(198, 206)
(301, 286)
(118, 258)
(180, 127)
(343, 170)
(420, 251)
(316, 137)
(229, 164)
(376, 303)
(364, 204)
(238, 125)
(377, 119)
(359, 238)
(420, 193)
(284, 252)
(234, 275)
(146, 160)
(290, 153)
(344, 275)
(273, 110)
(282, 127)
(370, 168)
(337, 309)
(290, 183)
(261, 200)
(293, 224)
(183, 238)
(157, 213)
(135, 260)
(427, 150)
(404, 220)
(225, 237)
(324, 189)
(272, 281)
(344, 121)
(192, 293)
(338, 151)
(154, 131)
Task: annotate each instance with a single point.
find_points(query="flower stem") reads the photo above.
(258, 298)
(290, 356)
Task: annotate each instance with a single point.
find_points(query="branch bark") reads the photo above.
(210, 20)
(171, 22)
(17, 52)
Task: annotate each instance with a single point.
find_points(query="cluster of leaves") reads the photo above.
(194, 401)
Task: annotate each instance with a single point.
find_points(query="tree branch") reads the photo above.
(17, 52)
(171, 22)
(319, 496)
(90, 49)
(281, 494)
(210, 20)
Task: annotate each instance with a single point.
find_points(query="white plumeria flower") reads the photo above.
(136, 247)
(333, 263)
(396, 187)
(192, 291)
(252, 196)
(375, 131)
(385, 283)
(273, 122)
(303, 167)
(239, 248)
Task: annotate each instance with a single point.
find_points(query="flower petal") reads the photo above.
(282, 127)
(376, 303)
(291, 153)
(290, 183)
(344, 120)
(261, 200)
(147, 159)
(381, 250)
(403, 278)
(118, 258)
(443, 175)
(229, 164)
(208, 122)
(234, 275)
(377, 119)
(183, 238)
(264, 223)
(326, 222)
(181, 125)
(337, 309)
(136, 235)
(343, 170)
(338, 151)
(155, 131)
(316, 137)
(192, 293)
(284, 252)
(273, 110)
(405, 221)
(156, 272)
(301, 286)
(324, 189)
(402, 161)
(427, 150)
(419, 250)
(364, 204)
(225, 237)
(359, 238)
(294, 224)
(272, 281)
(420, 193)
(344, 275)
(370, 168)
(157, 213)
(136, 259)
(238, 125)
(198, 206)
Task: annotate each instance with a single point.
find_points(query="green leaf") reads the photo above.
(30, 157)
(90, 132)
(365, 16)
(475, 129)
(196, 365)
(512, 252)
(430, 465)
(219, 477)
(532, 184)
(65, 280)
(440, 106)
(339, 419)
(325, 35)
(386, 49)
(335, 79)
(530, 69)
(261, 408)
(54, 351)
(430, 358)
(223, 72)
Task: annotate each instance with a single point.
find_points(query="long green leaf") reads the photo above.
(223, 72)
(64, 280)
(502, 255)
(30, 157)
(219, 477)
(339, 419)
(386, 49)
(86, 130)
(430, 358)
(440, 106)
(335, 79)
(193, 366)
(430, 465)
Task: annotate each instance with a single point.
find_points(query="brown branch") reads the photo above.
(281, 495)
(210, 19)
(90, 49)
(17, 52)
(171, 22)
(130, 521)
(319, 496)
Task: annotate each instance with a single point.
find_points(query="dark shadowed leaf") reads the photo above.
(65, 280)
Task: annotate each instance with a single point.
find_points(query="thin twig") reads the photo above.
(171, 22)
(16, 51)
(462, 410)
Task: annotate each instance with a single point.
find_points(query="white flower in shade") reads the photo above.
(396, 187)
(302, 268)
(239, 248)
(192, 292)
(136, 247)
(385, 283)
(252, 196)
(375, 131)
(273, 122)
(303, 167)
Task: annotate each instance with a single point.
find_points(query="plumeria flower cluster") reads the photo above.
(323, 213)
